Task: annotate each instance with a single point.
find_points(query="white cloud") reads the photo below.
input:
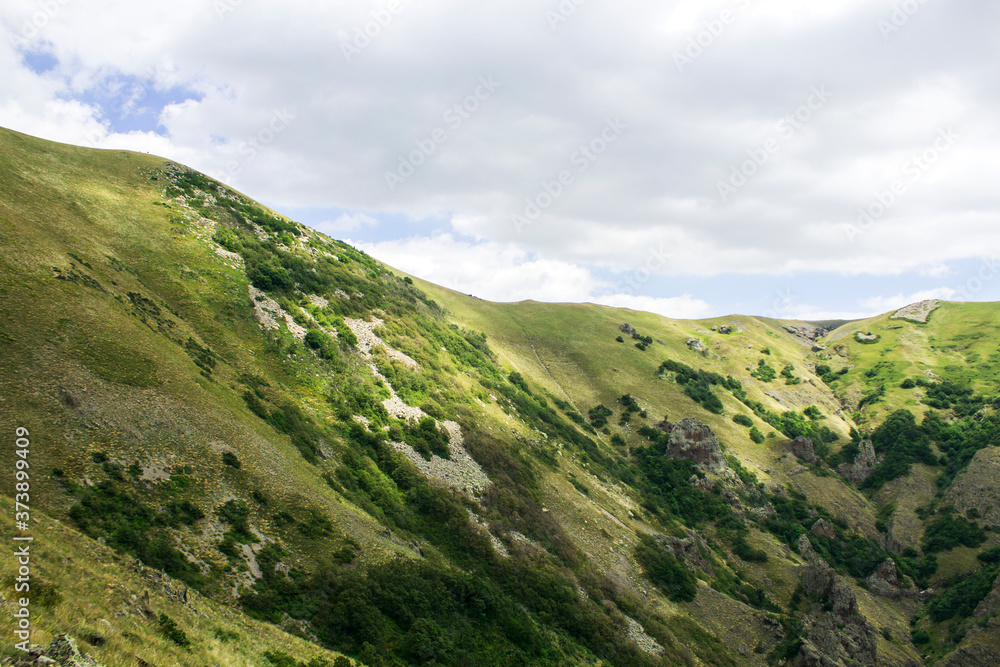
(656, 185)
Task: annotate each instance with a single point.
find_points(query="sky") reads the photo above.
(690, 158)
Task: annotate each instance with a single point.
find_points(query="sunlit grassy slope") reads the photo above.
(130, 349)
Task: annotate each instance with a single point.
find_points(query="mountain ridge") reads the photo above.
(255, 408)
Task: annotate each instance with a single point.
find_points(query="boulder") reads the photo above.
(725, 330)
(689, 551)
(695, 441)
(885, 580)
(802, 448)
(823, 528)
(864, 463)
(627, 329)
(696, 345)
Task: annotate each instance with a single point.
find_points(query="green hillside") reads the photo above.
(341, 462)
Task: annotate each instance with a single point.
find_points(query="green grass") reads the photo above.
(124, 333)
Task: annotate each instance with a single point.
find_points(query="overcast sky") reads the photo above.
(692, 158)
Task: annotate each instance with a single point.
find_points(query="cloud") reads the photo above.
(506, 273)
(746, 111)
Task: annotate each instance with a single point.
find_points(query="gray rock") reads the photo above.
(802, 448)
(864, 464)
(885, 580)
(696, 345)
(695, 441)
(627, 328)
(823, 528)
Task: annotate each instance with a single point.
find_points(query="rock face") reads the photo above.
(823, 528)
(917, 312)
(885, 580)
(627, 329)
(802, 448)
(840, 636)
(689, 551)
(808, 331)
(863, 466)
(697, 346)
(694, 441)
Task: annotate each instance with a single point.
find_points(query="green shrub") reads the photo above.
(950, 531)
(743, 420)
(908, 383)
(756, 435)
(663, 569)
(170, 630)
(962, 598)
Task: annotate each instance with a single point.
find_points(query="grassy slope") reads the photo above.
(137, 398)
(95, 584)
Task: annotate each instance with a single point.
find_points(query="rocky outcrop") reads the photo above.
(834, 634)
(725, 329)
(696, 345)
(690, 551)
(864, 463)
(695, 441)
(62, 651)
(885, 580)
(809, 332)
(802, 448)
(627, 329)
(822, 528)
(916, 312)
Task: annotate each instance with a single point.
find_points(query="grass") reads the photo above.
(123, 332)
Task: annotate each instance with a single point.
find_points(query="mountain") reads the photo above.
(243, 442)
